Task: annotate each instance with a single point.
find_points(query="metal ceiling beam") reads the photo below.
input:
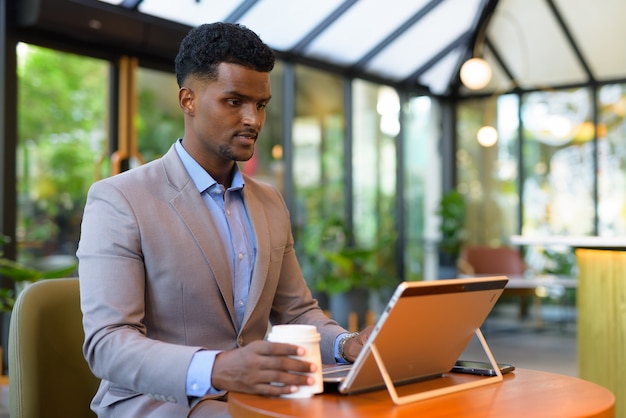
(131, 4)
(498, 57)
(570, 38)
(358, 66)
(458, 42)
(346, 72)
(322, 26)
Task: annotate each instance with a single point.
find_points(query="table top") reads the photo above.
(523, 393)
(540, 280)
(571, 241)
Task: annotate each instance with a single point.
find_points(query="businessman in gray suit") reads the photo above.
(185, 260)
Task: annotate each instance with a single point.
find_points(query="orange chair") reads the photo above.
(491, 260)
(507, 261)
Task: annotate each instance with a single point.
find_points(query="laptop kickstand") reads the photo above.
(402, 400)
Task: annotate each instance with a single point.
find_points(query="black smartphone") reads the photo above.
(480, 367)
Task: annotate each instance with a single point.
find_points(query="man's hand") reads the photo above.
(353, 346)
(263, 368)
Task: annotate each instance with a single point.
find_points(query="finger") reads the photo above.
(283, 349)
(267, 348)
(282, 382)
(290, 364)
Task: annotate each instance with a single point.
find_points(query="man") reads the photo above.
(184, 261)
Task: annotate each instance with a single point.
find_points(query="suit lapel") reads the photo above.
(191, 208)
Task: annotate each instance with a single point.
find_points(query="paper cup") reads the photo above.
(305, 336)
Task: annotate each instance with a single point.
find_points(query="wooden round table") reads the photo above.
(523, 393)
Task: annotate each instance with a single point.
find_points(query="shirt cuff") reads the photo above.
(199, 374)
(338, 358)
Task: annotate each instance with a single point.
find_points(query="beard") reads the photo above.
(229, 152)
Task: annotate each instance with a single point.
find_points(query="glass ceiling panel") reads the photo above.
(537, 53)
(283, 23)
(438, 78)
(190, 12)
(599, 31)
(426, 38)
(500, 81)
(360, 29)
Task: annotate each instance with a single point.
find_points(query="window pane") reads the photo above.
(488, 174)
(159, 121)
(376, 125)
(61, 150)
(611, 160)
(267, 162)
(558, 164)
(318, 161)
(421, 189)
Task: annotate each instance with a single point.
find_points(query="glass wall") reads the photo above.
(267, 162)
(572, 184)
(62, 148)
(611, 160)
(159, 120)
(376, 127)
(319, 215)
(422, 188)
(488, 171)
(558, 172)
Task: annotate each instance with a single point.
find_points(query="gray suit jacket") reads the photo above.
(156, 283)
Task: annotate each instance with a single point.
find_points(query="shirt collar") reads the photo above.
(199, 176)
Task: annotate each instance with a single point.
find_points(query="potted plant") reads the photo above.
(452, 226)
(345, 272)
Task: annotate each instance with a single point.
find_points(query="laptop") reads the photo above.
(421, 333)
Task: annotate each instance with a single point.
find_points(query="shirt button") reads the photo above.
(240, 341)
(240, 255)
(228, 212)
(194, 387)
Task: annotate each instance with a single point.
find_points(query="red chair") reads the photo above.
(491, 260)
(506, 261)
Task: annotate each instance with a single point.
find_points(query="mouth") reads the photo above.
(246, 137)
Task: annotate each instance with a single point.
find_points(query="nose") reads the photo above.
(253, 117)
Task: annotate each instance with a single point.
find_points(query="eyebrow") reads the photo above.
(244, 96)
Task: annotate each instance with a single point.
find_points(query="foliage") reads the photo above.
(338, 265)
(59, 93)
(560, 263)
(156, 128)
(20, 273)
(62, 110)
(452, 224)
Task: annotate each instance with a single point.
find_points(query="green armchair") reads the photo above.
(48, 375)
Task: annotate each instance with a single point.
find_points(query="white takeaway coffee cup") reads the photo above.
(307, 337)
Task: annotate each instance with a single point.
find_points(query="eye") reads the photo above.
(234, 102)
(261, 106)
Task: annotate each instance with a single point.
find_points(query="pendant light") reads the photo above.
(476, 72)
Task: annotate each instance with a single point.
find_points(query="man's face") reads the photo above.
(225, 116)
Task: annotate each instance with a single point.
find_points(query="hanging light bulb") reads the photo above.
(475, 73)
(487, 136)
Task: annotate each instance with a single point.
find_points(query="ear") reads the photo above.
(186, 100)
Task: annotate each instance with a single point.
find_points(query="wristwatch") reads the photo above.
(342, 342)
